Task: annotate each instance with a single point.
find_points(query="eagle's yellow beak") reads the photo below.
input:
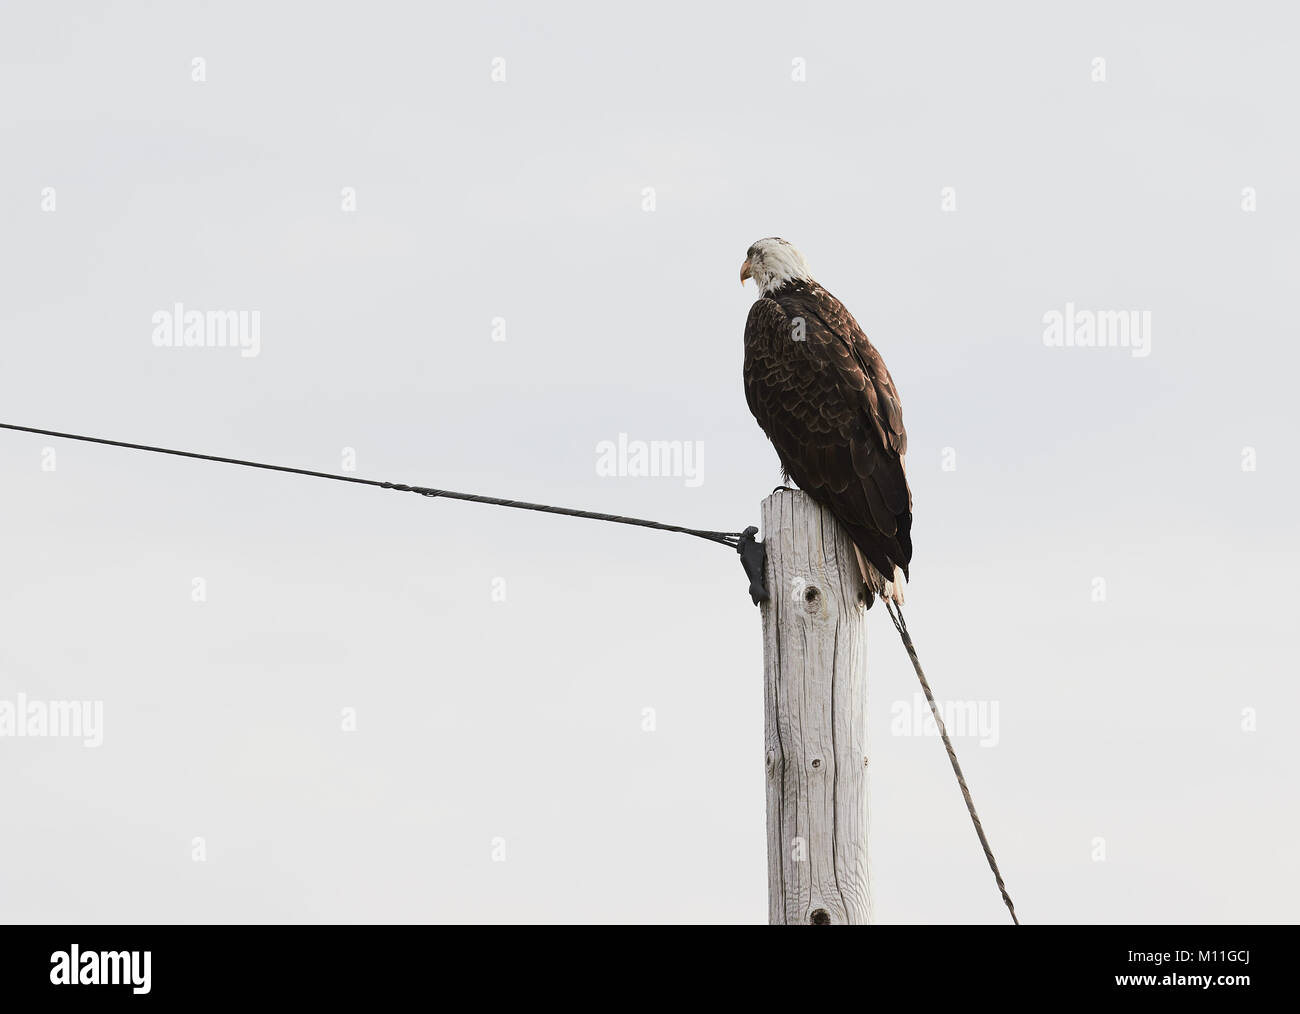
(744, 272)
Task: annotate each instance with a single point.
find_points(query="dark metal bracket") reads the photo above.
(753, 557)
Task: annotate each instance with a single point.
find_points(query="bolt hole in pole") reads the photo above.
(819, 917)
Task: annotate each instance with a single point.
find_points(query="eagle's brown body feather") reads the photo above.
(830, 408)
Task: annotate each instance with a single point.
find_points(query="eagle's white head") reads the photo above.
(773, 262)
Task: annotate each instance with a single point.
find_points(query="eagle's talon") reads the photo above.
(782, 489)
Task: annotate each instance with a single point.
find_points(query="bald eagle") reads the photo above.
(821, 393)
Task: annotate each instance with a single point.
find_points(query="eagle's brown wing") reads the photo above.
(832, 412)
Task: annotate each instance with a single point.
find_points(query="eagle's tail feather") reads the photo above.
(876, 582)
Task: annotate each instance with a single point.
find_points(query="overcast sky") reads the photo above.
(1105, 541)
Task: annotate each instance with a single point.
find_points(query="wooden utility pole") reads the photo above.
(815, 694)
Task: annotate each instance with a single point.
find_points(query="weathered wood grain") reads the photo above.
(815, 691)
